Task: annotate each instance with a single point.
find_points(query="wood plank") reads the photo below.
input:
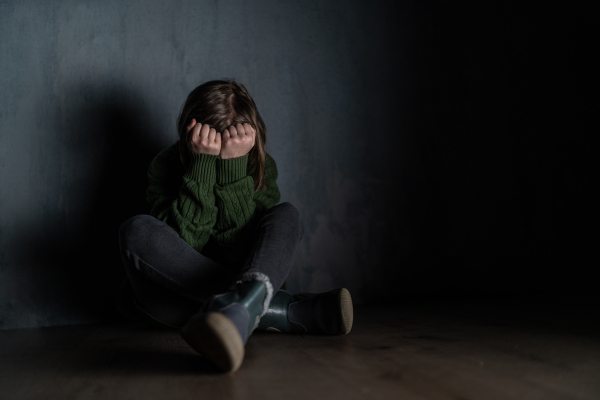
(493, 350)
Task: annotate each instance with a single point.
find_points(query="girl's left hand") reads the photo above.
(236, 141)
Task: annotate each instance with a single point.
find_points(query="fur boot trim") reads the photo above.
(258, 276)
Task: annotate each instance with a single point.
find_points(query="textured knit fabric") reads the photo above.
(212, 205)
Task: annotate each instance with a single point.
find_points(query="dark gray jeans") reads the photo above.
(171, 280)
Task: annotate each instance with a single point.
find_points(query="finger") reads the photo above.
(240, 129)
(218, 138)
(211, 135)
(191, 124)
(248, 129)
(204, 131)
(251, 132)
(196, 131)
(226, 134)
(232, 131)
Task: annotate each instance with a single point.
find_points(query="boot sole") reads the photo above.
(346, 310)
(217, 339)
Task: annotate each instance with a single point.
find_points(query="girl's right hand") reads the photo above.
(203, 139)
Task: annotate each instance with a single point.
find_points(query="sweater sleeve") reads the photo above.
(236, 201)
(190, 208)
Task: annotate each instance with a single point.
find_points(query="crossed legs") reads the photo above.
(171, 280)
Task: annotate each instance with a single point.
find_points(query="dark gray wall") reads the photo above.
(413, 137)
(91, 91)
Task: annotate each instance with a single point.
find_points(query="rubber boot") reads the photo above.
(329, 313)
(221, 329)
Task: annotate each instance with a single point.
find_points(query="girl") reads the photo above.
(212, 255)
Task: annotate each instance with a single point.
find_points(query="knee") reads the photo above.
(291, 214)
(132, 231)
(289, 209)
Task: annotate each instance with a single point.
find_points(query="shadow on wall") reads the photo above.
(75, 260)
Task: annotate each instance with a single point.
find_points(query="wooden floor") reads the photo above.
(494, 349)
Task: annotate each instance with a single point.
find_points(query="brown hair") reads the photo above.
(220, 104)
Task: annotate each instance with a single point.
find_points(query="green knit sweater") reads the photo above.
(212, 205)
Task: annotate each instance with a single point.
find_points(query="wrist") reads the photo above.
(231, 169)
(202, 168)
(230, 156)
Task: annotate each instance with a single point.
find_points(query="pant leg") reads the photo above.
(169, 278)
(276, 239)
